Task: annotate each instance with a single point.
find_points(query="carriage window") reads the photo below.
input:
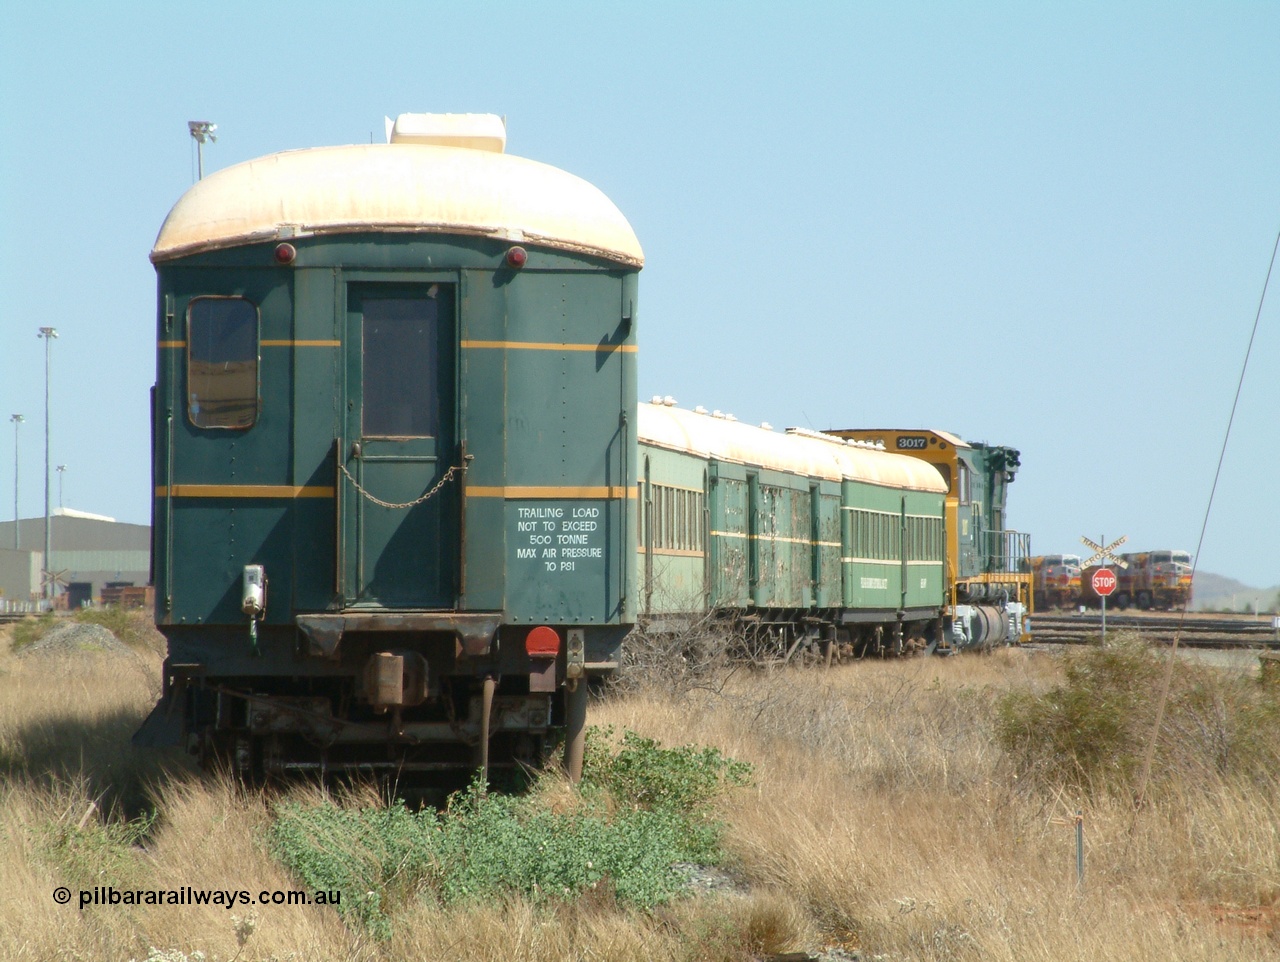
(222, 362)
(400, 392)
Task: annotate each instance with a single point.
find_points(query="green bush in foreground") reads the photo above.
(641, 808)
(642, 772)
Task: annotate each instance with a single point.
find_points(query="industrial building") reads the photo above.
(89, 552)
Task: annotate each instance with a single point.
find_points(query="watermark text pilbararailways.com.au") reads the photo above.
(187, 895)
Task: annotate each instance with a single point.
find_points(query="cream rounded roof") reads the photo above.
(712, 437)
(397, 187)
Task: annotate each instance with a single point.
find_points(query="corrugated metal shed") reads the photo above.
(72, 533)
(86, 548)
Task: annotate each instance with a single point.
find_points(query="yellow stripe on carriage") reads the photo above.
(243, 491)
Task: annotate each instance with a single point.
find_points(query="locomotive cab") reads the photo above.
(394, 460)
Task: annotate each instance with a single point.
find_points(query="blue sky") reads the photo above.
(1042, 225)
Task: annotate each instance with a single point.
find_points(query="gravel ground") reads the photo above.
(76, 649)
(81, 649)
(72, 636)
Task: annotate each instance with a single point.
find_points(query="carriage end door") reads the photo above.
(397, 550)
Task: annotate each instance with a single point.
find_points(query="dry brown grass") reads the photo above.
(69, 715)
(884, 805)
(883, 818)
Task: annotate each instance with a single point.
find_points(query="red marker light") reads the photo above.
(285, 253)
(517, 257)
(542, 642)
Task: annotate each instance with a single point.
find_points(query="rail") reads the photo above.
(1195, 631)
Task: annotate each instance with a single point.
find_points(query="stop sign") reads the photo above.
(1103, 581)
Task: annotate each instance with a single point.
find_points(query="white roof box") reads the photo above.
(475, 131)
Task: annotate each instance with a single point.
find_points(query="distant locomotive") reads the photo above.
(1055, 580)
(1151, 579)
(819, 539)
(394, 455)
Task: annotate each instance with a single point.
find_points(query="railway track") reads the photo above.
(1196, 630)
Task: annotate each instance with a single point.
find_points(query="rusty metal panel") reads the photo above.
(728, 536)
(827, 590)
(781, 567)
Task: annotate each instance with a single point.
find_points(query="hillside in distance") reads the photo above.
(1218, 593)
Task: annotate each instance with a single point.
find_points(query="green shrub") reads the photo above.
(30, 630)
(1086, 731)
(134, 627)
(369, 855)
(1092, 730)
(484, 846)
(641, 772)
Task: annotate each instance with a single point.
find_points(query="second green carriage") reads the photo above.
(806, 537)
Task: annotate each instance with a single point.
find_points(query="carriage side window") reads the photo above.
(222, 362)
(677, 518)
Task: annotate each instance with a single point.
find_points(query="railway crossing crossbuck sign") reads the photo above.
(1103, 554)
(1104, 579)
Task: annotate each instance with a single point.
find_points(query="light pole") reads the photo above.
(200, 131)
(47, 334)
(61, 470)
(16, 419)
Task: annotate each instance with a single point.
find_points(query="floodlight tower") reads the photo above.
(47, 334)
(200, 131)
(16, 419)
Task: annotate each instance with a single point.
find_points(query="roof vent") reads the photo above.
(473, 131)
(818, 435)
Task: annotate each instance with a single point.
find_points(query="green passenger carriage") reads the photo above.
(805, 537)
(394, 454)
